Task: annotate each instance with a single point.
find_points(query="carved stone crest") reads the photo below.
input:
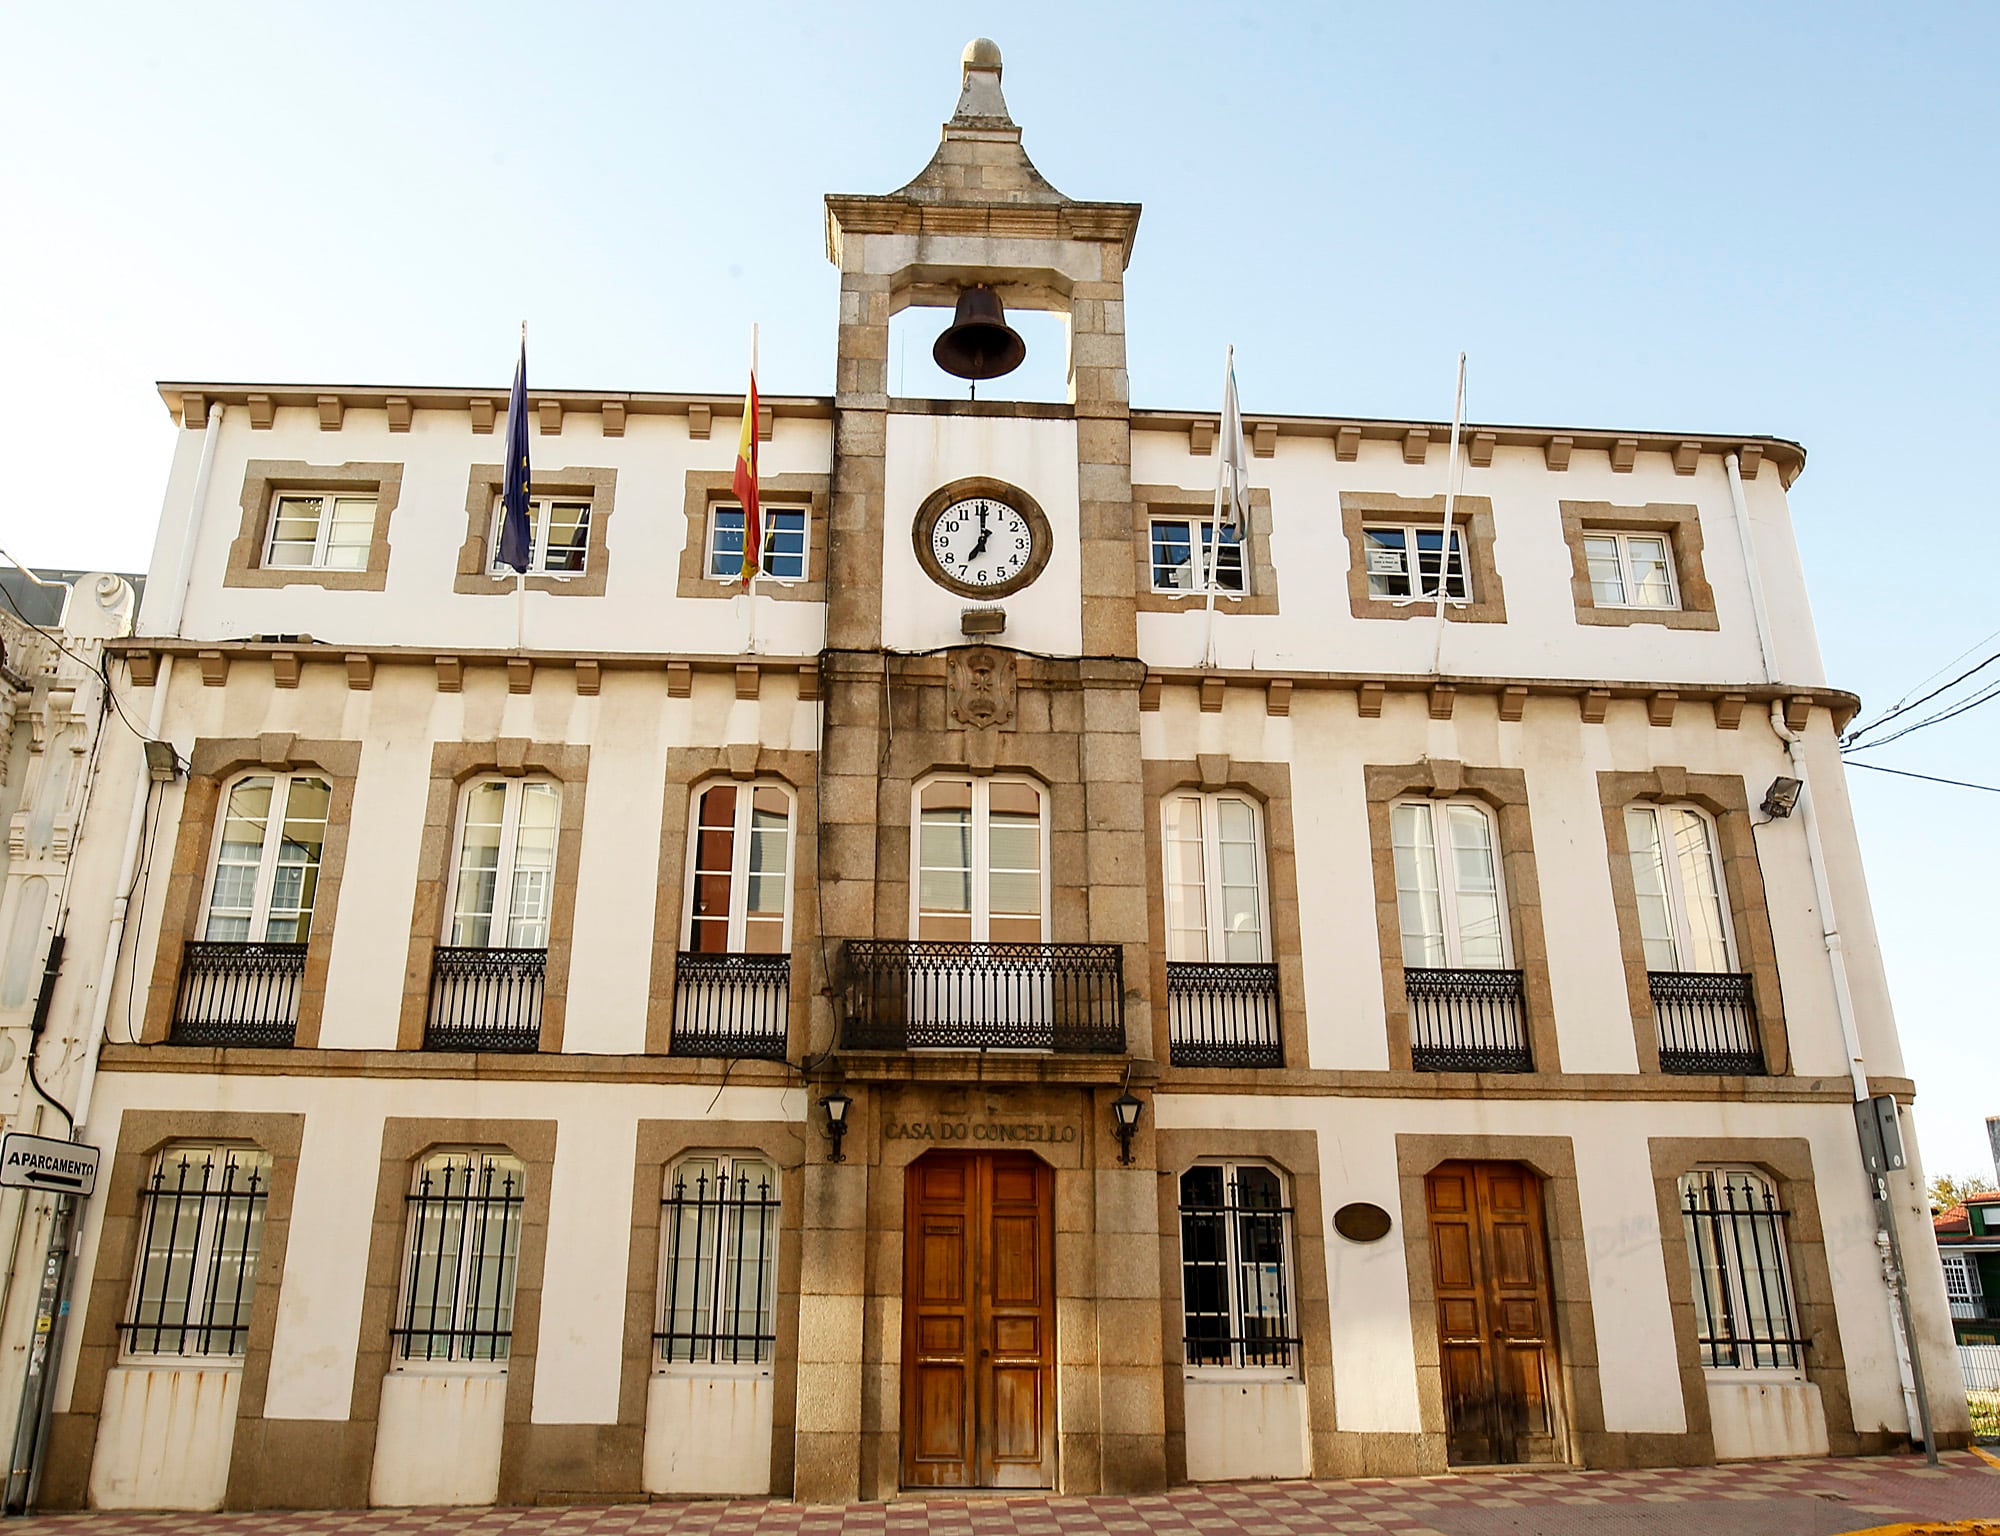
(981, 682)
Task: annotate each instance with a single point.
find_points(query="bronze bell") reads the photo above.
(979, 343)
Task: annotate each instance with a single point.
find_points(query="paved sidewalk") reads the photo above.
(1795, 1498)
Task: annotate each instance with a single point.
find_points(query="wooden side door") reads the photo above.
(1495, 1312)
(979, 1322)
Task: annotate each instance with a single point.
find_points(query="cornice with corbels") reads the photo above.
(189, 403)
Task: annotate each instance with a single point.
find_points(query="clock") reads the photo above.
(981, 538)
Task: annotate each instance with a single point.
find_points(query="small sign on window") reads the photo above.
(1385, 562)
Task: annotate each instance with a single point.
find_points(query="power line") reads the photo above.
(1950, 712)
(1900, 708)
(1930, 778)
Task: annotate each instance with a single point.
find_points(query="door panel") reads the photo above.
(979, 1322)
(1496, 1345)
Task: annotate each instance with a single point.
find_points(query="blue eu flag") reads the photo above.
(516, 538)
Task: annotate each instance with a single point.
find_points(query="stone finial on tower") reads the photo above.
(981, 107)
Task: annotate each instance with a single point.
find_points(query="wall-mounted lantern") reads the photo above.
(836, 1105)
(1125, 1117)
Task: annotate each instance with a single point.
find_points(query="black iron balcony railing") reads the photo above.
(1223, 1014)
(238, 994)
(486, 999)
(1467, 1021)
(1975, 1308)
(917, 994)
(731, 1004)
(1707, 1022)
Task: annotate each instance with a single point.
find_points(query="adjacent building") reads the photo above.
(959, 1015)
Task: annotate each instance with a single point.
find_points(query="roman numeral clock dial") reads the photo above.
(979, 539)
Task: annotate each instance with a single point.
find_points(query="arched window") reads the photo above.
(460, 1258)
(201, 1227)
(1448, 885)
(1236, 1269)
(267, 859)
(981, 859)
(739, 885)
(1745, 1317)
(719, 1262)
(503, 880)
(1683, 918)
(1216, 903)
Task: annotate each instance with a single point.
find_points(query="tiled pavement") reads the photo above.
(1797, 1498)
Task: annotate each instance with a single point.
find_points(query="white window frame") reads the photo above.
(323, 532)
(739, 857)
(466, 1286)
(1454, 938)
(500, 921)
(1961, 1280)
(767, 528)
(1232, 1238)
(982, 791)
(267, 864)
(726, 1163)
(207, 1224)
(1211, 868)
(1732, 1271)
(1627, 586)
(1202, 540)
(1460, 547)
(538, 535)
(1676, 886)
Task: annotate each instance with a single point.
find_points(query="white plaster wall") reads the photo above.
(1240, 1430)
(708, 1435)
(438, 1439)
(1766, 1420)
(164, 1438)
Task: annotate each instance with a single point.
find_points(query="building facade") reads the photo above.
(929, 1023)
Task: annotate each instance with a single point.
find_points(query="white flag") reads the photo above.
(1234, 513)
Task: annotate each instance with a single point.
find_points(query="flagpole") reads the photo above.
(521, 576)
(750, 588)
(1208, 565)
(1450, 500)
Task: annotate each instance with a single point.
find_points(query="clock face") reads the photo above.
(982, 544)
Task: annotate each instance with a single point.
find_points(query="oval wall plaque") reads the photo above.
(1361, 1222)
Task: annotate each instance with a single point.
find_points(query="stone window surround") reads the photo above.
(687, 767)
(708, 487)
(263, 478)
(212, 763)
(1504, 792)
(1295, 1154)
(1472, 516)
(1727, 803)
(1788, 1162)
(142, 1135)
(1270, 786)
(482, 490)
(453, 765)
(1172, 501)
(1680, 523)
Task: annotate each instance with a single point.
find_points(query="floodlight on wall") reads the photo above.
(163, 763)
(836, 1105)
(1781, 798)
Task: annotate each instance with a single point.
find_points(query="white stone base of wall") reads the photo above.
(438, 1439)
(1247, 1429)
(164, 1438)
(1764, 1420)
(708, 1434)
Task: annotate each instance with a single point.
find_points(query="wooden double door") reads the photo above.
(1495, 1314)
(979, 1322)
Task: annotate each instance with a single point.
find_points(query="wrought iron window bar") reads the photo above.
(721, 1260)
(486, 999)
(1731, 1331)
(468, 1227)
(1236, 1306)
(731, 1004)
(230, 1213)
(1467, 1020)
(1707, 1022)
(1223, 1014)
(926, 994)
(238, 994)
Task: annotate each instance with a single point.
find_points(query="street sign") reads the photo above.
(40, 1162)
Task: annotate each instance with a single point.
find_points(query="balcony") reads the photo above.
(1975, 1309)
(731, 1005)
(915, 994)
(486, 999)
(1707, 1022)
(238, 994)
(1467, 1021)
(1223, 1015)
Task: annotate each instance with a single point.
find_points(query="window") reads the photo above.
(981, 860)
(1962, 1285)
(1215, 878)
(742, 850)
(1388, 552)
(503, 881)
(320, 530)
(463, 1250)
(1744, 1315)
(560, 537)
(1236, 1281)
(1179, 567)
(1630, 570)
(201, 1218)
(267, 859)
(1679, 888)
(1448, 889)
(784, 543)
(719, 1264)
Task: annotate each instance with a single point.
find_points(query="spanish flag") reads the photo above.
(745, 486)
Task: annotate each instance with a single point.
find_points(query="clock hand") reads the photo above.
(979, 546)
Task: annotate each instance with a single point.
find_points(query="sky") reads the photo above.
(1709, 218)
